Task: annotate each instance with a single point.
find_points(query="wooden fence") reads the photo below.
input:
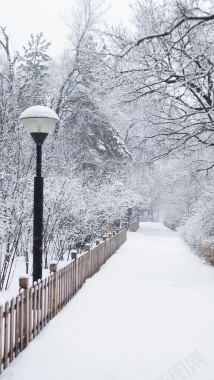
(22, 319)
(133, 227)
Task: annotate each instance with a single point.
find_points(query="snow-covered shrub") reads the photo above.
(198, 228)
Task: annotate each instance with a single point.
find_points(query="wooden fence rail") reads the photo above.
(22, 319)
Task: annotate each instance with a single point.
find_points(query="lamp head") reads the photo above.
(39, 120)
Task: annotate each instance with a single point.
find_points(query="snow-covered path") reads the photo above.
(147, 315)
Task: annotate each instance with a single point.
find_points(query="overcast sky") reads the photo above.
(23, 17)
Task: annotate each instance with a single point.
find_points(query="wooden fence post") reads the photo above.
(1, 334)
(74, 257)
(88, 269)
(24, 284)
(53, 269)
(118, 238)
(6, 328)
(110, 243)
(88, 247)
(74, 254)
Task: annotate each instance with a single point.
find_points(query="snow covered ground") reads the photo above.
(148, 314)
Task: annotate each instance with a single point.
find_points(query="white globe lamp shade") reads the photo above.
(39, 120)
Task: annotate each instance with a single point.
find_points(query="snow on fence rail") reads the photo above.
(24, 316)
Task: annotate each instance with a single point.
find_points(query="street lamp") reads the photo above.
(39, 120)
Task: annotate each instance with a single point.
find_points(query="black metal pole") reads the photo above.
(38, 217)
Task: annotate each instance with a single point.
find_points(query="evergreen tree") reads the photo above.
(33, 71)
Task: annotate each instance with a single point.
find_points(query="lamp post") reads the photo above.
(39, 120)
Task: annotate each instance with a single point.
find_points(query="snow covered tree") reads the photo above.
(168, 72)
(90, 134)
(33, 71)
(15, 205)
